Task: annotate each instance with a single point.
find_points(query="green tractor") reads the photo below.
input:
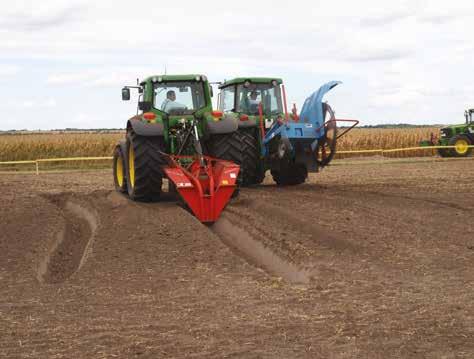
(174, 122)
(240, 97)
(287, 144)
(460, 137)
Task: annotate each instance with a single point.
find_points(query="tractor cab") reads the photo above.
(252, 98)
(169, 105)
(468, 116)
(168, 96)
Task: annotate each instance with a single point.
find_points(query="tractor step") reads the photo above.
(205, 186)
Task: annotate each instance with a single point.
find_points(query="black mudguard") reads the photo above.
(145, 129)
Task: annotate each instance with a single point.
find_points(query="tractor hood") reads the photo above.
(454, 126)
(448, 131)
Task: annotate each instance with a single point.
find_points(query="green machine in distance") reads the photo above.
(460, 138)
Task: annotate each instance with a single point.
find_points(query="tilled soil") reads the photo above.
(365, 260)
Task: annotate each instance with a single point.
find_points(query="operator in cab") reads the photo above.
(253, 102)
(170, 103)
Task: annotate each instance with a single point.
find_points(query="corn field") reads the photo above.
(386, 138)
(20, 147)
(34, 146)
(57, 145)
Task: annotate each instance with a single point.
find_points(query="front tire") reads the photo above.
(120, 179)
(292, 175)
(145, 166)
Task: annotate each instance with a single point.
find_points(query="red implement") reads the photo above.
(205, 188)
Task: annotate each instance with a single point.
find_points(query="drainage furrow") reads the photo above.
(244, 241)
(72, 245)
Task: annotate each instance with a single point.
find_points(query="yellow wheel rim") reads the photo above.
(131, 165)
(119, 171)
(461, 146)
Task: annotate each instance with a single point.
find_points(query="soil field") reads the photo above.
(366, 260)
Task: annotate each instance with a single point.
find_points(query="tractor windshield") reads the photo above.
(250, 97)
(179, 97)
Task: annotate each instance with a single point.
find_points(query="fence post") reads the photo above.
(37, 168)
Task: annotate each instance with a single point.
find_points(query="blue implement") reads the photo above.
(299, 139)
(312, 110)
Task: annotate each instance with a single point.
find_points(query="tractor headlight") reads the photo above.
(160, 79)
(198, 78)
(204, 78)
(274, 83)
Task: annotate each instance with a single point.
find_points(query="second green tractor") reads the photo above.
(458, 139)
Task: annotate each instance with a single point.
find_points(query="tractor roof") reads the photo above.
(255, 80)
(166, 78)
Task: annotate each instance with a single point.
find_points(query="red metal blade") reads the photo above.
(206, 190)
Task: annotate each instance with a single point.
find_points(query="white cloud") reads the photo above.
(7, 70)
(36, 103)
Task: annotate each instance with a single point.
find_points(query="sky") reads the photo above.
(63, 63)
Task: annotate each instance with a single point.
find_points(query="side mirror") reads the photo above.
(125, 94)
(211, 91)
(144, 106)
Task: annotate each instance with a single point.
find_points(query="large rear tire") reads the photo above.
(120, 179)
(228, 147)
(251, 169)
(461, 143)
(145, 166)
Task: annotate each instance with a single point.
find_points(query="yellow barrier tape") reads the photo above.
(67, 159)
(15, 162)
(399, 149)
(360, 151)
(73, 159)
